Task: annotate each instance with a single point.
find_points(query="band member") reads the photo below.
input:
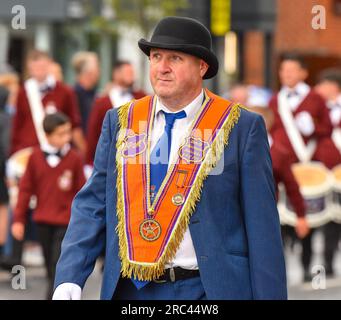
(54, 175)
(329, 87)
(302, 126)
(41, 94)
(182, 194)
(119, 91)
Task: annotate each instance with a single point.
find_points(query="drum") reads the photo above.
(16, 164)
(315, 182)
(337, 194)
(15, 169)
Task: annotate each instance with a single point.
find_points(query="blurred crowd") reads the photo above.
(304, 134)
(49, 132)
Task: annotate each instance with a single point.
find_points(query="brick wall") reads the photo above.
(294, 30)
(254, 58)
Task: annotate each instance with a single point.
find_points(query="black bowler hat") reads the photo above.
(186, 35)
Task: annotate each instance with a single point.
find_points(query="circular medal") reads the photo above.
(150, 230)
(178, 199)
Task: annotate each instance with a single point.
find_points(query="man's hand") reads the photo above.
(67, 291)
(18, 230)
(302, 228)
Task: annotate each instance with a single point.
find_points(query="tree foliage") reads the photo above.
(142, 14)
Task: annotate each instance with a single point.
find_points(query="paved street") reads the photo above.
(36, 285)
(312, 290)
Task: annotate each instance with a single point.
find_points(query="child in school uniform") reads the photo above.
(54, 175)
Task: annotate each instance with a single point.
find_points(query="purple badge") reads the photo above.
(134, 145)
(194, 150)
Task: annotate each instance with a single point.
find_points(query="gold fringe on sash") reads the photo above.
(150, 271)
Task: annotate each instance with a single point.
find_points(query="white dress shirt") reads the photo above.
(44, 87)
(52, 159)
(119, 96)
(296, 95)
(185, 256)
(335, 110)
(303, 120)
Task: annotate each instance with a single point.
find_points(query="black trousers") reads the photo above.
(307, 250)
(3, 187)
(332, 236)
(289, 236)
(50, 238)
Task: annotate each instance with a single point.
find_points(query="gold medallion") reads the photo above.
(150, 230)
(178, 199)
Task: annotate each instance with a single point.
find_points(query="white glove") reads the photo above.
(305, 123)
(88, 171)
(67, 291)
(335, 116)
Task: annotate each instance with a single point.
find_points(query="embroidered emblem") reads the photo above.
(193, 150)
(134, 144)
(150, 230)
(65, 180)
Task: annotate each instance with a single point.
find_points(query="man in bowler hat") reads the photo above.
(182, 194)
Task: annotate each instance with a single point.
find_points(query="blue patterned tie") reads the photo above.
(159, 158)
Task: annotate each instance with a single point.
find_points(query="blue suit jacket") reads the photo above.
(235, 228)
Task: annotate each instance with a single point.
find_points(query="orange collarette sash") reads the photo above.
(150, 233)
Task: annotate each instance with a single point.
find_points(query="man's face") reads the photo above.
(60, 136)
(291, 73)
(39, 68)
(329, 90)
(56, 71)
(124, 76)
(175, 75)
(240, 94)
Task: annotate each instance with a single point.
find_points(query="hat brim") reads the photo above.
(195, 50)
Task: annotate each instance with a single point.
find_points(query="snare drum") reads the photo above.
(15, 169)
(337, 194)
(16, 164)
(315, 182)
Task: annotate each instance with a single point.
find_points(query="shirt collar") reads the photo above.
(49, 82)
(46, 147)
(301, 88)
(191, 109)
